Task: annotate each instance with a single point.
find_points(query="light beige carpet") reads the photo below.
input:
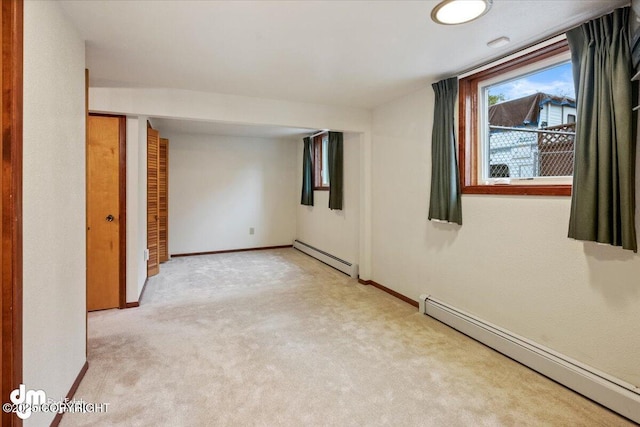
(276, 338)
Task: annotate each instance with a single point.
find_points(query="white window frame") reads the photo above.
(483, 123)
(469, 108)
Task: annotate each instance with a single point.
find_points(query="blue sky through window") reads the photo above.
(557, 80)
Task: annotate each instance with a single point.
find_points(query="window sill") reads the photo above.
(320, 188)
(519, 190)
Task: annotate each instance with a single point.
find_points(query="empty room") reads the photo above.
(286, 213)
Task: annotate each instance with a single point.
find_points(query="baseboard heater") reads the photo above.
(605, 389)
(335, 262)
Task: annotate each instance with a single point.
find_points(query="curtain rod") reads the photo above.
(519, 52)
(512, 55)
(319, 132)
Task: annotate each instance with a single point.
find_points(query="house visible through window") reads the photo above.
(321, 161)
(517, 125)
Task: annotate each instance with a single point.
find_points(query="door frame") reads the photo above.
(122, 202)
(11, 37)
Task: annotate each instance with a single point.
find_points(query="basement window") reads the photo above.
(517, 125)
(321, 161)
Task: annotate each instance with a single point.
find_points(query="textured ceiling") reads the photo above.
(353, 53)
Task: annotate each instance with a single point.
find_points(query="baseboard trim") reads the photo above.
(226, 251)
(607, 390)
(72, 392)
(346, 267)
(135, 304)
(389, 291)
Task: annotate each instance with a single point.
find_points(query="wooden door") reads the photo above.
(104, 135)
(163, 200)
(153, 213)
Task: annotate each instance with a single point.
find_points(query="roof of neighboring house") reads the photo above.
(524, 111)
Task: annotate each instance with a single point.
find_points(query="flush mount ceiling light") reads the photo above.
(452, 12)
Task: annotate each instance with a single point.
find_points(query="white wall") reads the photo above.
(142, 203)
(510, 263)
(220, 186)
(136, 206)
(193, 105)
(133, 209)
(334, 231)
(188, 104)
(54, 203)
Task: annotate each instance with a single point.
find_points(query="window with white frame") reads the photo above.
(517, 125)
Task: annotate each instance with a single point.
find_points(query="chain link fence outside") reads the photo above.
(530, 153)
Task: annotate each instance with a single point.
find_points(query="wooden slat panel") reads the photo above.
(163, 199)
(153, 235)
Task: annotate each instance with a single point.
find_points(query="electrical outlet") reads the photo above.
(146, 254)
(252, 230)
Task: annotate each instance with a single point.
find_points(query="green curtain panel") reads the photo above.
(307, 174)
(445, 204)
(335, 170)
(603, 200)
